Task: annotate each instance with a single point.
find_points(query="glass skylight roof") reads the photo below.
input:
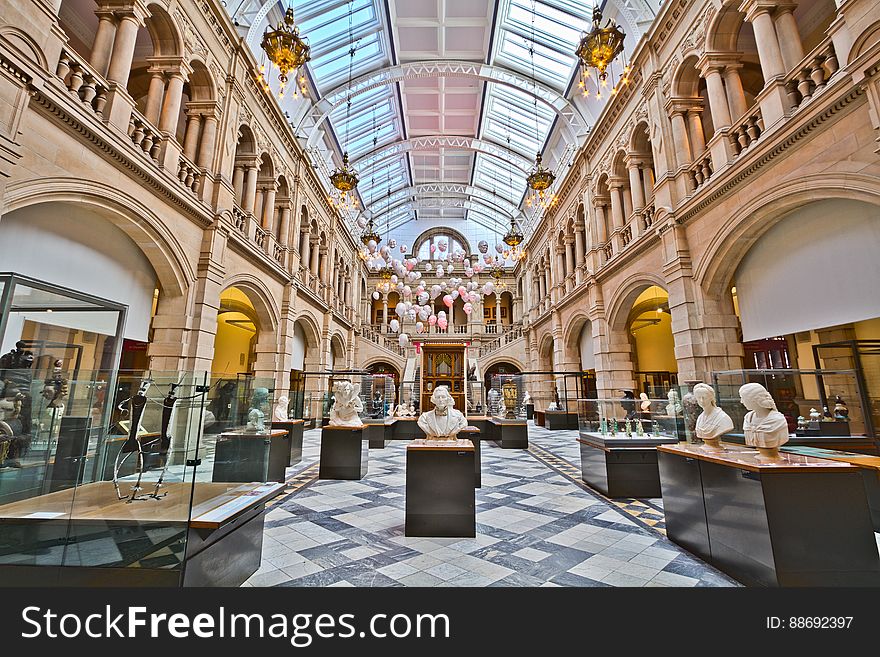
(375, 118)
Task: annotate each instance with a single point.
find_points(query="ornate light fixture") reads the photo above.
(370, 234)
(513, 238)
(540, 178)
(597, 50)
(287, 50)
(345, 178)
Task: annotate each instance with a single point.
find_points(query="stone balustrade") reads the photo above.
(810, 76)
(189, 174)
(701, 169)
(745, 132)
(240, 220)
(144, 135)
(81, 80)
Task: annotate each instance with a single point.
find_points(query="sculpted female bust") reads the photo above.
(764, 426)
(347, 406)
(713, 422)
(444, 422)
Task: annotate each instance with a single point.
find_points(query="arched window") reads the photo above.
(453, 241)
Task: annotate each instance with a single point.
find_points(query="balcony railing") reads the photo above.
(512, 333)
(810, 76)
(240, 220)
(701, 169)
(189, 174)
(747, 130)
(144, 135)
(83, 81)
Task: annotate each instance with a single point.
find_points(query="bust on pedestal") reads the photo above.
(713, 422)
(259, 407)
(347, 406)
(444, 422)
(280, 412)
(764, 427)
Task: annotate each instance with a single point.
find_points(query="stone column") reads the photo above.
(322, 263)
(680, 137)
(569, 255)
(284, 227)
(648, 181)
(209, 142)
(155, 95)
(717, 97)
(601, 222)
(249, 193)
(384, 321)
(736, 97)
(191, 137)
(758, 14)
(560, 266)
(258, 204)
(580, 246)
(237, 182)
(636, 187)
(789, 37)
(121, 57)
(171, 106)
(268, 219)
(695, 125)
(305, 248)
(313, 262)
(617, 218)
(103, 46)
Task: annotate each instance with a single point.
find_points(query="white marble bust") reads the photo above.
(347, 406)
(713, 422)
(444, 422)
(527, 398)
(674, 405)
(645, 404)
(280, 412)
(257, 411)
(764, 427)
(402, 410)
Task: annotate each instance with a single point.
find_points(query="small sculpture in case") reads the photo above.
(713, 422)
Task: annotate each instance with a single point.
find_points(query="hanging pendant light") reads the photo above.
(344, 178)
(539, 179)
(598, 48)
(286, 50)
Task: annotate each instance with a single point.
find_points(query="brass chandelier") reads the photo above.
(344, 178)
(287, 50)
(598, 48)
(370, 234)
(539, 179)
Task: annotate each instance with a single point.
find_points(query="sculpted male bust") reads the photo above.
(764, 427)
(713, 422)
(444, 422)
(347, 406)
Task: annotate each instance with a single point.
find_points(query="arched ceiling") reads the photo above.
(445, 116)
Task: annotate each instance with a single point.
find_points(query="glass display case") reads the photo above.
(506, 397)
(318, 392)
(408, 401)
(821, 407)
(110, 477)
(46, 323)
(630, 420)
(379, 394)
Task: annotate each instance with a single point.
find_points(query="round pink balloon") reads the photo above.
(447, 301)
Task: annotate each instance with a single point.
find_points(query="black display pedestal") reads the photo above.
(560, 420)
(248, 456)
(621, 467)
(344, 453)
(800, 521)
(294, 428)
(377, 433)
(407, 428)
(510, 434)
(530, 411)
(440, 498)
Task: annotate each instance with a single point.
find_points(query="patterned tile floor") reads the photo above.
(537, 525)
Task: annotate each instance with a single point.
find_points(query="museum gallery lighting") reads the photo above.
(540, 178)
(288, 51)
(344, 178)
(513, 238)
(597, 50)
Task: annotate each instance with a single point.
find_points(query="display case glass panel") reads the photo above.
(815, 403)
(506, 397)
(631, 419)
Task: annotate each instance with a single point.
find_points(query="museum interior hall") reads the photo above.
(440, 293)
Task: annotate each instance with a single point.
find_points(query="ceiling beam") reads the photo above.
(573, 123)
